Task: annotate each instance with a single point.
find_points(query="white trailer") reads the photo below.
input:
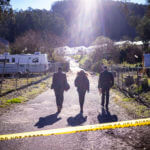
(23, 63)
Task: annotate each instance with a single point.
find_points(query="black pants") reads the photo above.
(59, 93)
(81, 98)
(105, 97)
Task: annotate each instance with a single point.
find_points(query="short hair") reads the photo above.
(59, 69)
(105, 67)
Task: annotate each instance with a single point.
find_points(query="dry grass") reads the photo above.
(10, 84)
(133, 108)
(26, 94)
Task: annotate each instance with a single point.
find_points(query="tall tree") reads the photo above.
(143, 29)
(4, 3)
(32, 41)
(6, 19)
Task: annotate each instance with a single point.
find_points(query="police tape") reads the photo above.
(104, 126)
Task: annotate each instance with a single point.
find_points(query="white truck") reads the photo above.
(23, 63)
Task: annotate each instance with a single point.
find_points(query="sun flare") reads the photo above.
(88, 5)
(84, 20)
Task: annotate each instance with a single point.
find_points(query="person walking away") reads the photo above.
(106, 81)
(82, 84)
(59, 83)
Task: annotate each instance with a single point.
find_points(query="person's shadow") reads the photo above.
(48, 120)
(77, 120)
(106, 117)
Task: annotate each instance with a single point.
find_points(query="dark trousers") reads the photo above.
(59, 93)
(81, 98)
(105, 97)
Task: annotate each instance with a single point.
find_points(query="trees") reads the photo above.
(142, 25)
(148, 11)
(62, 20)
(3, 48)
(143, 30)
(130, 53)
(100, 40)
(4, 4)
(37, 20)
(105, 49)
(32, 41)
(32, 30)
(109, 20)
(6, 20)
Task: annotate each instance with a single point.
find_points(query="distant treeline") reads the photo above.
(111, 20)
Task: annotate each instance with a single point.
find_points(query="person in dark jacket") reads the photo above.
(59, 82)
(106, 81)
(82, 84)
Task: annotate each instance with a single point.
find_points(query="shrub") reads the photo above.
(97, 67)
(131, 54)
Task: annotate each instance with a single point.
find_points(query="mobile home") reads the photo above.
(23, 63)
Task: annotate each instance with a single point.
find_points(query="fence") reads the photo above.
(12, 79)
(133, 81)
(17, 81)
(53, 67)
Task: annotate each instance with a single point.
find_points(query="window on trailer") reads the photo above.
(4, 60)
(13, 60)
(35, 60)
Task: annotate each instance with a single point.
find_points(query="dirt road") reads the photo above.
(40, 114)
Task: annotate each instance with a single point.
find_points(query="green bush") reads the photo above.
(77, 57)
(85, 63)
(96, 67)
(14, 100)
(131, 54)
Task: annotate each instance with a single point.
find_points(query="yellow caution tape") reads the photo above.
(105, 126)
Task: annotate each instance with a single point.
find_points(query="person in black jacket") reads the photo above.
(82, 84)
(106, 81)
(59, 82)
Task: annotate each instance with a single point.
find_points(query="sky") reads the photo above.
(45, 4)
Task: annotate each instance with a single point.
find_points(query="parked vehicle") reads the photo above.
(23, 63)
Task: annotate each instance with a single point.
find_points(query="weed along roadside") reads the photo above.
(25, 94)
(132, 107)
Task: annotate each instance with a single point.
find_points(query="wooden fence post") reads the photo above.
(17, 75)
(138, 82)
(122, 79)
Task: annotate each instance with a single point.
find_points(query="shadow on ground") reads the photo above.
(77, 120)
(48, 120)
(106, 117)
